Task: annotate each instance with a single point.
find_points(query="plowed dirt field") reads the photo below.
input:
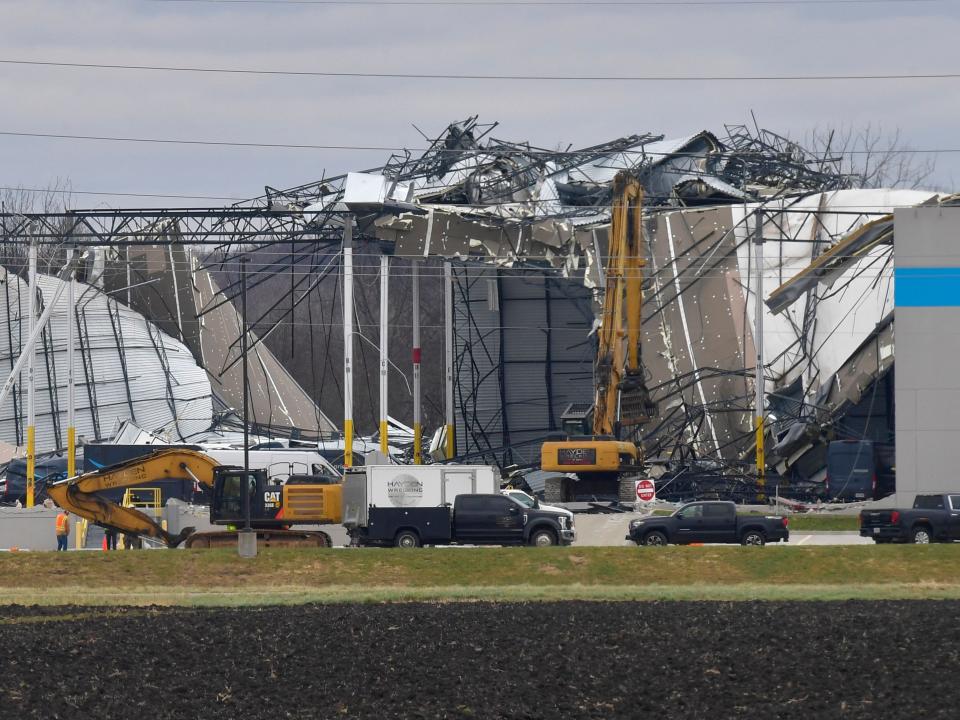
(687, 660)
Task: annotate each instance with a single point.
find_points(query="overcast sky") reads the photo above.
(905, 37)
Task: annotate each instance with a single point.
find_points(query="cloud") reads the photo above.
(546, 40)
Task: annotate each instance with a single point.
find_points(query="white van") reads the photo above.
(279, 464)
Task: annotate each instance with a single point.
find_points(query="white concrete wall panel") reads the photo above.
(927, 271)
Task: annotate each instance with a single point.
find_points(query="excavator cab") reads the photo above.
(227, 504)
(272, 505)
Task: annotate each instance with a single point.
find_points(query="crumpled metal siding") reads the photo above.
(661, 157)
(694, 341)
(140, 391)
(698, 330)
(171, 289)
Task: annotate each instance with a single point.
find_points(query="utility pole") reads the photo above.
(448, 353)
(31, 399)
(417, 419)
(758, 342)
(246, 538)
(347, 341)
(246, 394)
(384, 355)
(71, 389)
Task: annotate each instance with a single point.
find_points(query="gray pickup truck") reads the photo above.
(708, 522)
(933, 518)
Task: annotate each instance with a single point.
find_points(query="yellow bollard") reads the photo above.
(31, 464)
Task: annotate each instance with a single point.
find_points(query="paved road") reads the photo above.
(611, 530)
(798, 538)
(603, 530)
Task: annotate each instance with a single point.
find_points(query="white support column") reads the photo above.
(31, 409)
(71, 385)
(347, 341)
(384, 355)
(448, 353)
(417, 418)
(758, 342)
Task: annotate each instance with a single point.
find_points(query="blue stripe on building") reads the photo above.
(927, 287)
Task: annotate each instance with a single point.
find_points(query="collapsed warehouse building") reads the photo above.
(527, 229)
(828, 291)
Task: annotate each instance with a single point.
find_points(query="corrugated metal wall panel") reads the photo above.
(547, 359)
(476, 353)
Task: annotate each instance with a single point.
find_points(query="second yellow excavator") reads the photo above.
(603, 462)
(274, 508)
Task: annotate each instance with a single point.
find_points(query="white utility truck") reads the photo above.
(380, 500)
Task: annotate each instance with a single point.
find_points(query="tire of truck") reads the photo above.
(921, 535)
(655, 538)
(754, 537)
(543, 537)
(406, 539)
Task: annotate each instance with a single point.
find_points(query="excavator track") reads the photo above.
(265, 539)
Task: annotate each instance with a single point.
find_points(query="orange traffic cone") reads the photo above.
(104, 543)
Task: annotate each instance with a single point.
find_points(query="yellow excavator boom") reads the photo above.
(77, 494)
(621, 397)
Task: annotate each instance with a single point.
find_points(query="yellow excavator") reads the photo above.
(621, 399)
(274, 508)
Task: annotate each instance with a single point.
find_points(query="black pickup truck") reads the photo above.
(933, 518)
(474, 519)
(708, 522)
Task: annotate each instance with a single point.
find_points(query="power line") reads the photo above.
(383, 148)
(53, 191)
(299, 267)
(501, 78)
(166, 141)
(547, 3)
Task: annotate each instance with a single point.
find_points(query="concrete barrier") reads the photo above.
(32, 528)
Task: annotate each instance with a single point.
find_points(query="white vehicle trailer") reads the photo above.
(378, 500)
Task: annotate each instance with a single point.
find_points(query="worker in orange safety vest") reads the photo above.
(63, 530)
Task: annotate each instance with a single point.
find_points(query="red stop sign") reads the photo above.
(646, 491)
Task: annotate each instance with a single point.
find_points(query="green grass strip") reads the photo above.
(516, 593)
(629, 573)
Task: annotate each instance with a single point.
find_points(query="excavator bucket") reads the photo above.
(78, 495)
(302, 502)
(175, 540)
(111, 515)
(636, 405)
